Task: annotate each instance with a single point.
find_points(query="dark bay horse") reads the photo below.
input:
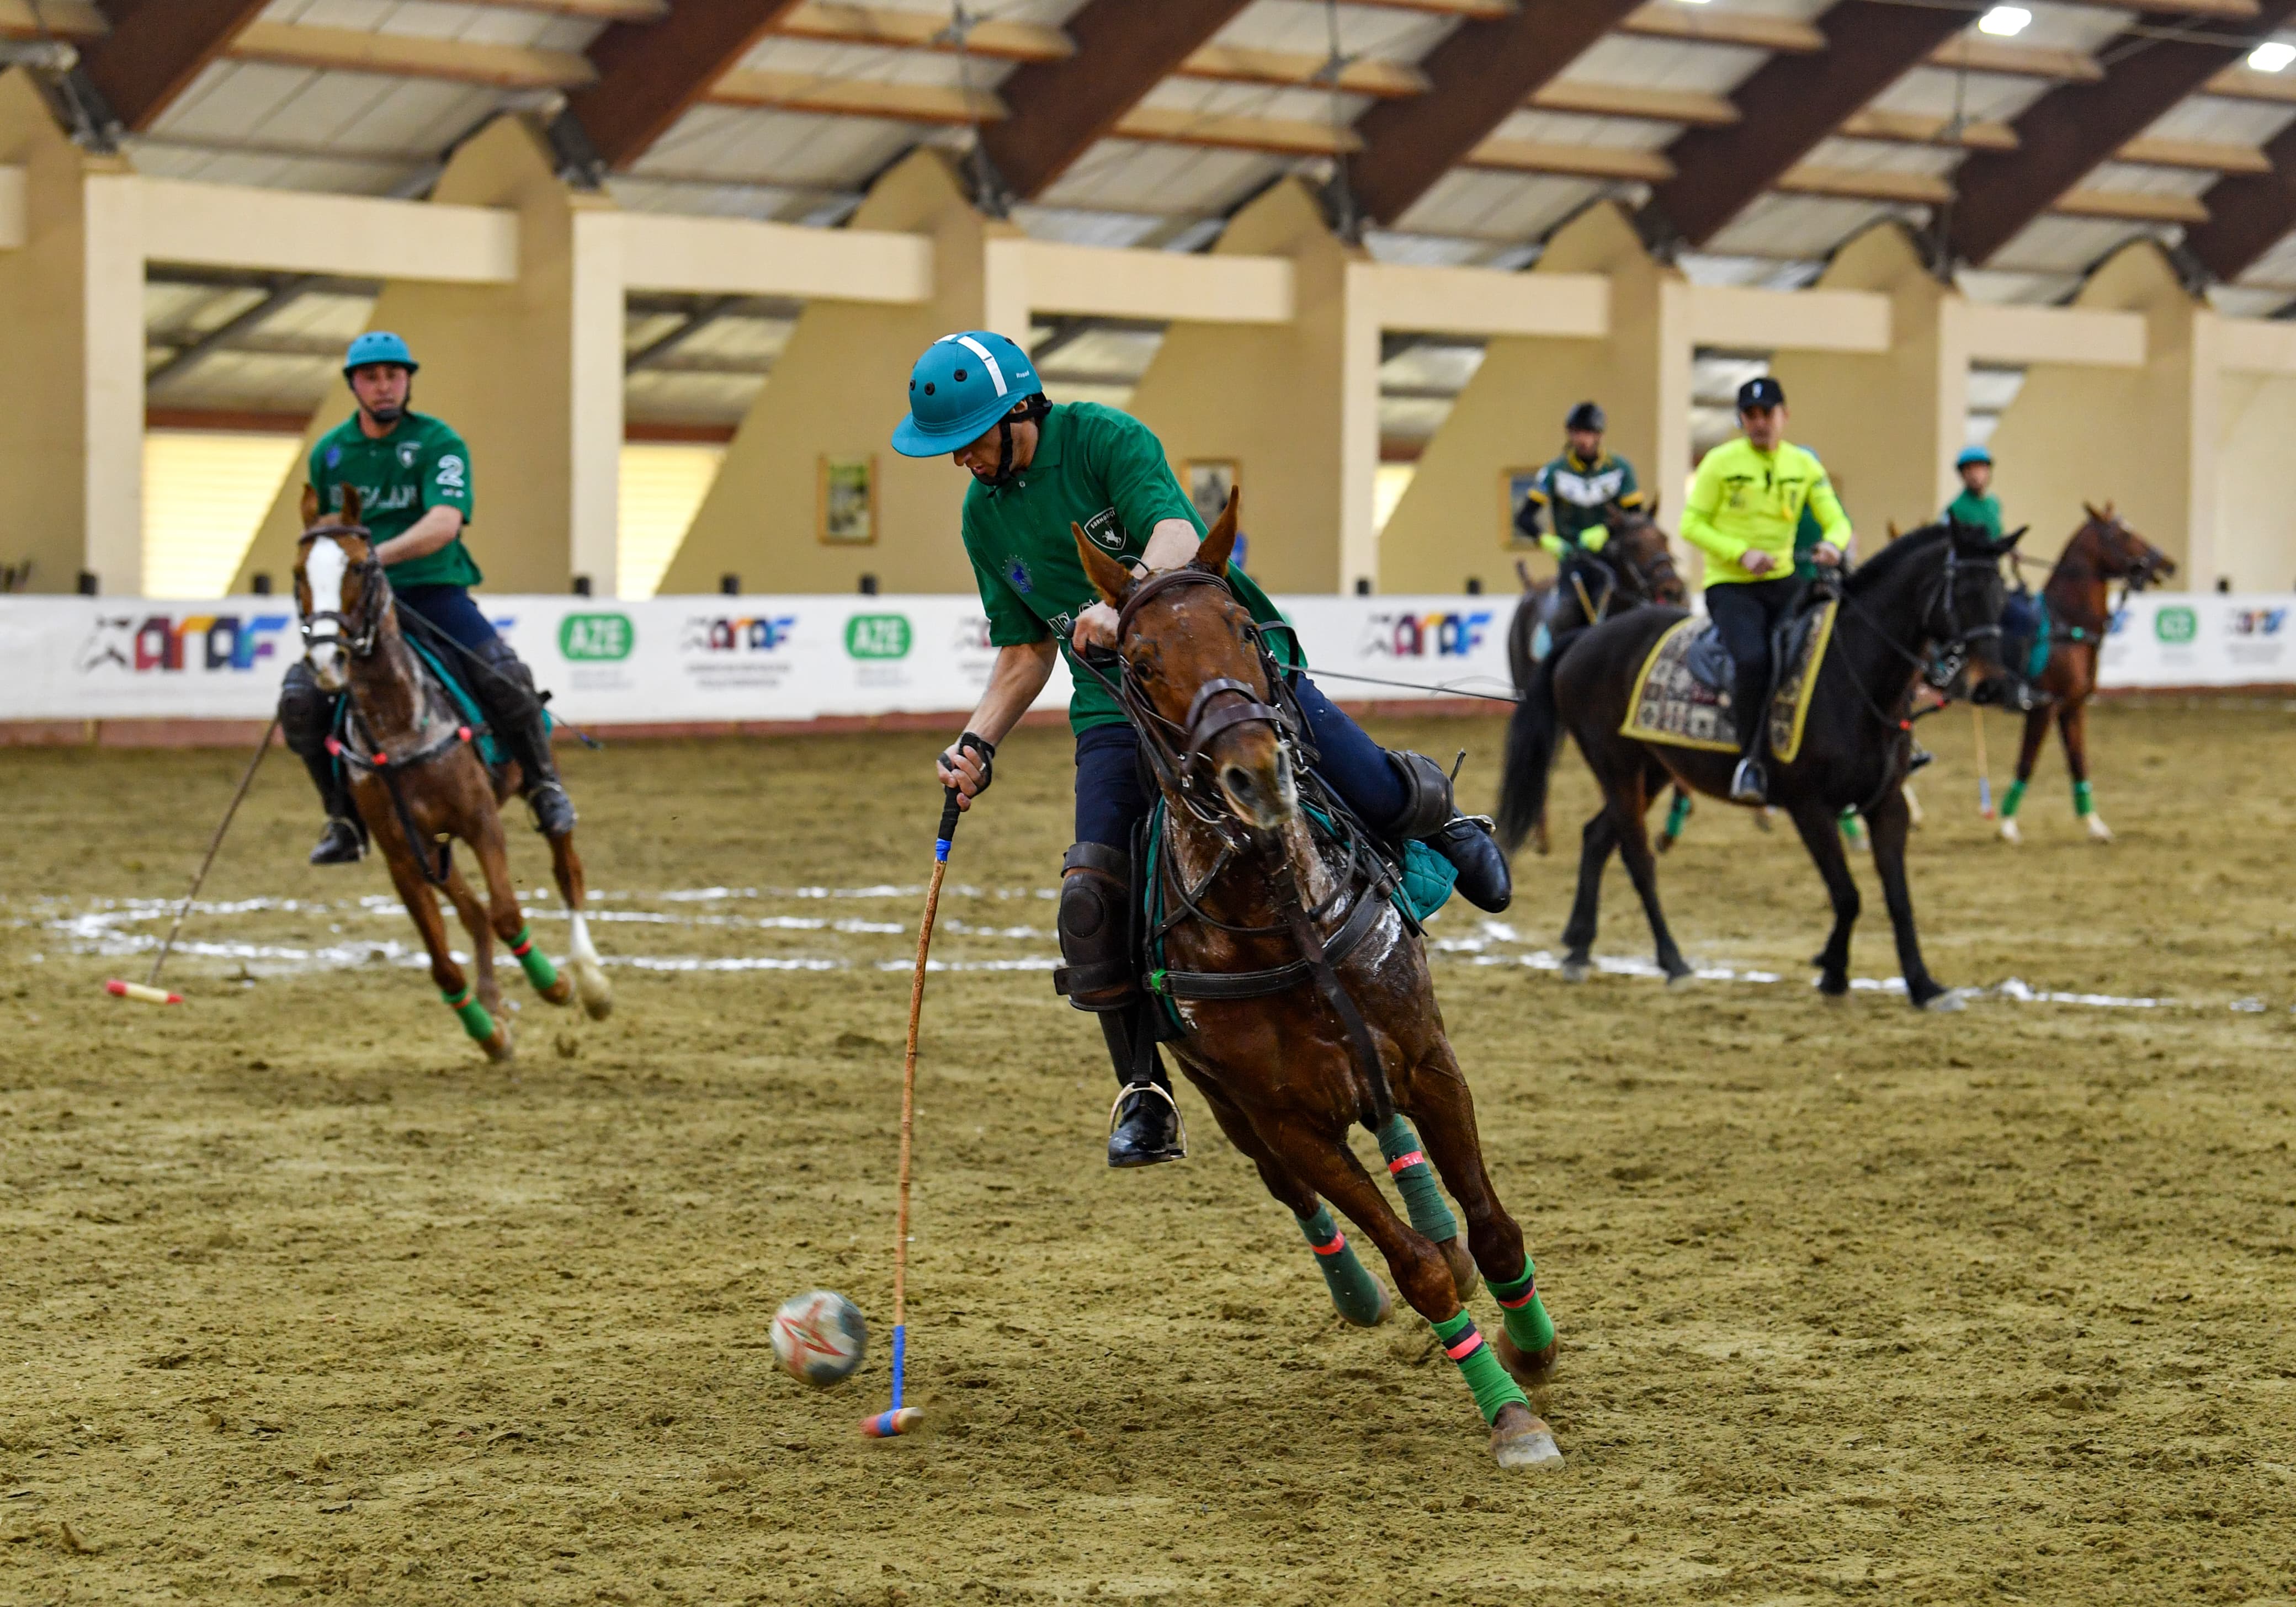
(2077, 612)
(1302, 992)
(1938, 589)
(418, 780)
(1638, 567)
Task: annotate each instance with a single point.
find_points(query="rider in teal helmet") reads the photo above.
(413, 472)
(1037, 469)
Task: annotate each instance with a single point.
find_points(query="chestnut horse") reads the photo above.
(1302, 990)
(2077, 611)
(1640, 570)
(418, 781)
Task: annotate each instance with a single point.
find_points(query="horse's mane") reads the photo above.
(1908, 549)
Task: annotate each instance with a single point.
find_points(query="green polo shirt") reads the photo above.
(1969, 508)
(421, 464)
(1103, 470)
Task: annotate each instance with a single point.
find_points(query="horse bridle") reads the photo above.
(1950, 650)
(356, 639)
(1176, 751)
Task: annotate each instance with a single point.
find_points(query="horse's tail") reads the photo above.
(1529, 756)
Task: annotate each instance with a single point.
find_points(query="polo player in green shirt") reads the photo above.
(1575, 490)
(1976, 505)
(1036, 468)
(412, 473)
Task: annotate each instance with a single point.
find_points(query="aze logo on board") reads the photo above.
(596, 638)
(2177, 626)
(878, 636)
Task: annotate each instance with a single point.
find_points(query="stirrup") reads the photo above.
(1919, 756)
(1179, 1120)
(1748, 784)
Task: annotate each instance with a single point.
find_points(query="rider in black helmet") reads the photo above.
(1575, 491)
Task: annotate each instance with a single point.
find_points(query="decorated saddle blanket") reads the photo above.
(1682, 698)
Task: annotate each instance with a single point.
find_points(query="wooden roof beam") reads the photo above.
(2065, 134)
(157, 47)
(2248, 213)
(841, 23)
(1480, 75)
(1687, 106)
(409, 55)
(1610, 162)
(1789, 104)
(650, 74)
(834, 97)
(1918, 128)
(1124, 49)
(1665, 19)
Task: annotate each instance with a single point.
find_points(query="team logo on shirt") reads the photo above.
(1016, 570)
(1105, 532)
(334, 457)
(407, 454)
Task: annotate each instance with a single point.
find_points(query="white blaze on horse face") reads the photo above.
(324, 570)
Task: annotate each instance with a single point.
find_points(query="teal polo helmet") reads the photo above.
(379, 346)
(1973, 454)
(960, 389)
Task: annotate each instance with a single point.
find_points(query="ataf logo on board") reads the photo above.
(2257, 622)
(725, 651)
(1448, 635)
(163, 643)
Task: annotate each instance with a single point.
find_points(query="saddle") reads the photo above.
(1682, 692)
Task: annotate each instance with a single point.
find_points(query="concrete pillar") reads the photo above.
(837, 390)
(2256, 485)
(2144, 439)
(71, 346)
(529, 372)
(1453, 521)
(1294, 405)
(1887, 425)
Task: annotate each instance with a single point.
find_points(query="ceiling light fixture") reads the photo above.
(2272, 56)
(2005, 21)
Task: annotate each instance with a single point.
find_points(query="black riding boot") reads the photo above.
(1102, 974)
(306, 716)
(1749, 708)
(1431, 816)
(505, 687)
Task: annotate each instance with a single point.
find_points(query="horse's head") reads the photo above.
(1199, 683)
(1646, 566)
(338, 589)
(2120, 552)
(1965, 618)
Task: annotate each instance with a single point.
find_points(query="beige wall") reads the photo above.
(1449, 525)
(71, 346)
(500, 364)
(2256, 484)
(2129, 436)
(1886, 425)
(836, 391)
(1294, 405)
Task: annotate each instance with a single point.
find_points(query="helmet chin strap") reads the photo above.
(1029, 412)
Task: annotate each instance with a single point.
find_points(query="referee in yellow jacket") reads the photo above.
(1745, 503)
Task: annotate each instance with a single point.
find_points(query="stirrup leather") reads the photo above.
(1179, 1120)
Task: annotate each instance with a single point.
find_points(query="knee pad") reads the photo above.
(1095, 926)
(1427, 796)
(306, 712)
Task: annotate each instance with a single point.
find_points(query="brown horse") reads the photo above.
(1637, 568)
(418, 781)
(1302, 990)
(2076, 613)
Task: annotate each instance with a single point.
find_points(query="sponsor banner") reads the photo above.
(738, 658)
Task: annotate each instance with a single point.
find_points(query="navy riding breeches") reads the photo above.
(451, 609)
(1113, 794)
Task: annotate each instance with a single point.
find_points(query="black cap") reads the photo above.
(1763, 392)
(1586, 415)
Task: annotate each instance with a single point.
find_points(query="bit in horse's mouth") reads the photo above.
(1265, 806)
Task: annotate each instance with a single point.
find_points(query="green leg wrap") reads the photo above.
(1493, 1389)
(2010, 799)
(1354, 1292)
(476, 1022)
(531, 960)
(1527, 1322)
(2084, 801)
(1849, 826)
(1677, 816)
(1416, 1180)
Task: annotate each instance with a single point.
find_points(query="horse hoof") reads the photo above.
(498, 1047)
(1946, 1003)
(561, 991)
(1540, 844)
(1464, 1278)
(2098, 831)
(1530, 1370)
(590, 984)
(1575, 971)
(1520, 1440)
(2010, 834)
(1665, 843)
(1680, 979)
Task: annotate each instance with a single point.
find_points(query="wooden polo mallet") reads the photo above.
(149, 991)
(898, 1419)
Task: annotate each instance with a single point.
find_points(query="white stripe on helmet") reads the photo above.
(995, 374)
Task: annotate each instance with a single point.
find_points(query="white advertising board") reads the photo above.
(712, 659)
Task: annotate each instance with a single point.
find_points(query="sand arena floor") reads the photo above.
(305, 1300)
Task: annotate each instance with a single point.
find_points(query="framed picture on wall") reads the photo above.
(846, 509)
(1514, 490)
(1208, 480)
